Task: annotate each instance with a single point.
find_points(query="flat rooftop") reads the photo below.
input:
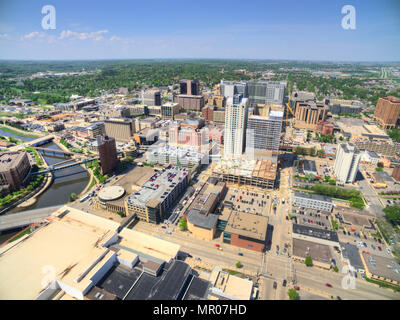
(158, 186)
(70, 244)
(146, 245)
(230, 286)
(315, 232)
(312, 196)
(248, 225)
(382, 267)
(351, 252)
(318, 252)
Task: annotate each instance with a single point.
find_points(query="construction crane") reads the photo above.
(288, 108)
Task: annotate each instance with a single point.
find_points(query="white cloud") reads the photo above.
(115, 38)
(72, 35)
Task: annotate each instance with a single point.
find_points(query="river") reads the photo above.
(66, 181)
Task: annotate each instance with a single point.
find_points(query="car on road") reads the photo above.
(296, 288)
(379, 248)
(275, 285)
(164, 227)
(219, 249)
(328, 285)
(373, 247)
(240, 254)
(388, 250)
(198, 259)
(379, 240)
(284, 283)
(217, 245)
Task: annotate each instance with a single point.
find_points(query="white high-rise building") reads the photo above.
(235, 130)
(346, 164)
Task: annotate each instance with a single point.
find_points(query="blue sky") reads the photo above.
(248, 29)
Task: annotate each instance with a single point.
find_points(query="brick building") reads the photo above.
(14, 169)
(325, 128)
(246, 230)
(387, 112)
(107, 154)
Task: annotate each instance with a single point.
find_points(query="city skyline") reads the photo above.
(310, 31)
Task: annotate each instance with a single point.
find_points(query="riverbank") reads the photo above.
(18, 132)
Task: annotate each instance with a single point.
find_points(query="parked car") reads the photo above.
(388, 250)
(328, 285)
(240, 254)
(379, 248)
(275, 285)
(296, 288)
(284, 283)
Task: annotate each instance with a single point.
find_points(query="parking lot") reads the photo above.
(249, 201)
(312, 218)
(368, 245)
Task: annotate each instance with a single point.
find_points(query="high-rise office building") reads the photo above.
(121, 129)
(107, 154)
(346, 164)
(309, 114)
(235, 130)
(189, 87)
(387, 112)
(266, 92)
(151, 98)
(230, 88)
(265, 131)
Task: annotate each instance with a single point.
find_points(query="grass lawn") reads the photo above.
(27, 231)
(19, 133)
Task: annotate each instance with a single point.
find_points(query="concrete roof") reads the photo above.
(148, 245)
(318, 252)
(69, 245)
(230, 285)
(111, 193)
(378, 266)
(157, 189)
(248, 225)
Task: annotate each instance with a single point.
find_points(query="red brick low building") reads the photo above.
(246, 230)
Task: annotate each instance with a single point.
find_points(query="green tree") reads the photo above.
(313, 151)
(121, 214)
(239, 264)
(292, 293)
(129, 159)
(182, 224)
(392, 213)
(308, 261)
(72, 197)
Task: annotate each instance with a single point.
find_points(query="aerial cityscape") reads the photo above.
(176, 176)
